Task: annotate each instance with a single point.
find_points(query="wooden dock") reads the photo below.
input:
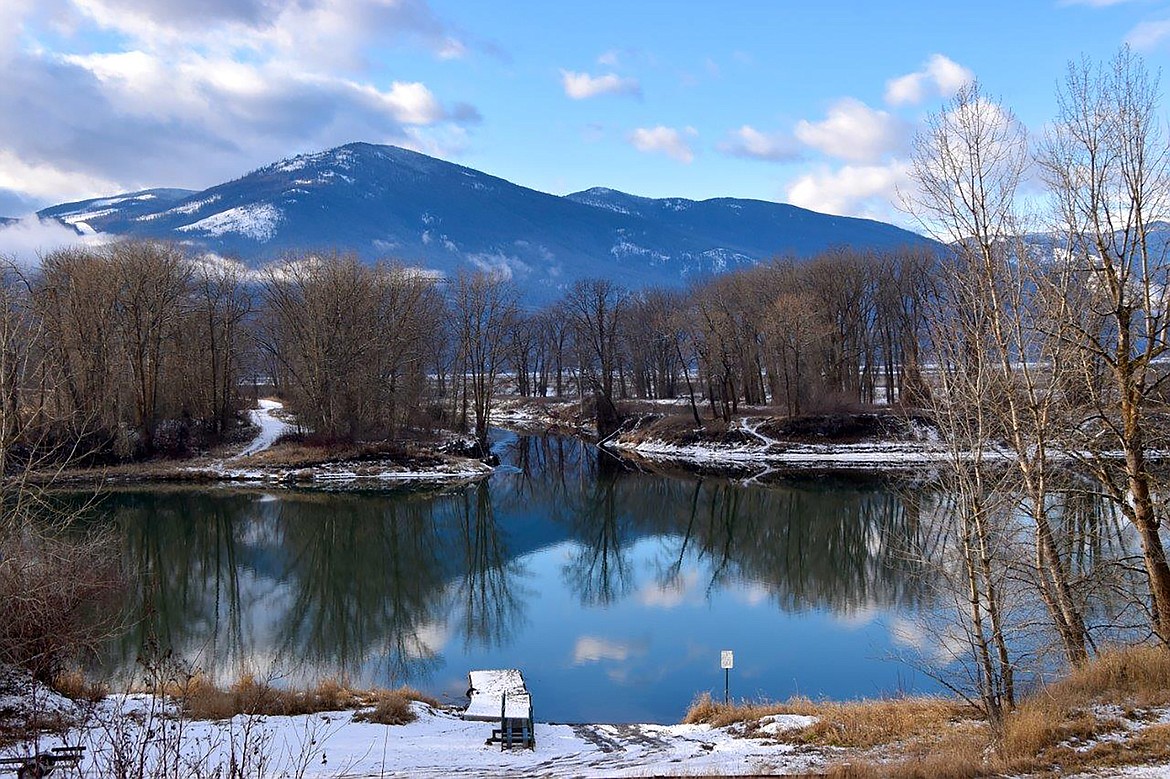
(501, 696)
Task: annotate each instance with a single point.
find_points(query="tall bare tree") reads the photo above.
(1105, 161)
(485, 309)
(597, 308)
(967, 167)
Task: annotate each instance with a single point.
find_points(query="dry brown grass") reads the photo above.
(392, 707)
(860, 724)
(75, 686)
(1139, 674)
(203, 700)
(917, 738)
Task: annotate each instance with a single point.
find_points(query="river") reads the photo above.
(612, 589)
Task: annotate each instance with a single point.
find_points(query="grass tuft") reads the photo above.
(392, 707)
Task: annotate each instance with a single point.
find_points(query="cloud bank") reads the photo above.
(190, 94)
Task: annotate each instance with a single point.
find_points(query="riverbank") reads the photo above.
(754, 443)
(269, 458)
(1109, 718)
(873, 441)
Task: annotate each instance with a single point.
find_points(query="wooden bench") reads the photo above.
(42, 765)
(500, 696)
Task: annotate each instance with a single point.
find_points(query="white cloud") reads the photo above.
(80, 125)
(747, 141)
(45, 180)
(677, 591)
(854, 131)
(940, 76)
(317, 31)
(175, 93)
(580, 86)
(609, 59)
(1148, 34)
(409, 103)
(26, 240)
(853, 190)
(664, 140)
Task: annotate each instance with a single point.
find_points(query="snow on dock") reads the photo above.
(490, 691)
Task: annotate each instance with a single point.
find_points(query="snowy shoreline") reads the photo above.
(242, 467)
(152, 733)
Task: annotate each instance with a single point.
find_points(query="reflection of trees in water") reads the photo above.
(808, 547)
(369, 577)
(190, 596)
(548, 467)
(1105, 563)
(333, 583)
(811, 544)
(1103, 567)
(490, 597)
(599, 571)
(375, 583)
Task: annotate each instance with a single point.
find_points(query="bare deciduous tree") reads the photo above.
(1105, 161)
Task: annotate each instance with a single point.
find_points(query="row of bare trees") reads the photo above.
(124, 350)
(840, 330)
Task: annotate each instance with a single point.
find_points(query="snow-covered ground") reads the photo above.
(144, 735)
(768, 452)
(344, 474)
(271, 427)
(437, 744)
(270, 420)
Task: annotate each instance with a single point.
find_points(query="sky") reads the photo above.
(814, 104)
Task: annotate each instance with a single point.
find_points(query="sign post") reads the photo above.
(726, 662)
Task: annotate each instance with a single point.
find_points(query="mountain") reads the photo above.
(384, 201)
(132, 205)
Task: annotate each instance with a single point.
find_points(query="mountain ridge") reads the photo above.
(386, 201)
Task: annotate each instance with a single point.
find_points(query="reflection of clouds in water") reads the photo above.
(592, 649)
(752, 594)
(679, 590)
(856, 617)
(432, 637)
(940, 648)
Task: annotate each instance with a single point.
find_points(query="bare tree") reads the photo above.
(1105, 161)
(350, 341)
(597, 308)
(485, 309)
(967, 167)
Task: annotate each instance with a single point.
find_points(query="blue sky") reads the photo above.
(810, 103)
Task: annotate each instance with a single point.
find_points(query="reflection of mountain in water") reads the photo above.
(378, 585)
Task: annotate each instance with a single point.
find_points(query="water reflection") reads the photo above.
(420, 586)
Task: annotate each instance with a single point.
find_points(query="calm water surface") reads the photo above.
(613, 590)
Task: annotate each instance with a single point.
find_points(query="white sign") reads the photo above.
(726, 659)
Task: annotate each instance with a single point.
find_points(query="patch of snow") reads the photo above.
(271, 427)
(190, 208)
(23, 698)
(623, 248)
(603, 204)
(778, 723)
(257, 222)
